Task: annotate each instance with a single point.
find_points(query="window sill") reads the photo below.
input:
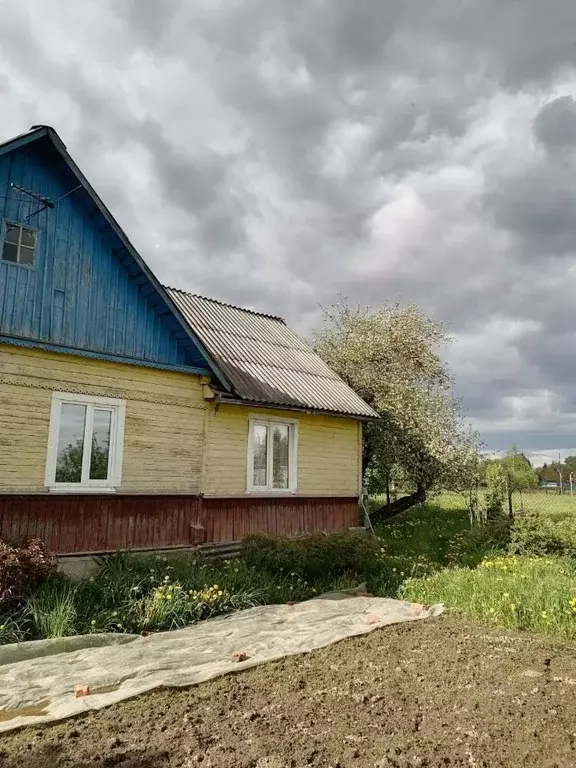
(17, 264)
(272, 492)
(80, 489)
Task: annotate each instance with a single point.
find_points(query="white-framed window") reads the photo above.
(19, 244)
(272, 455)
(85, 443)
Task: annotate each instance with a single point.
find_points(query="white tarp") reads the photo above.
(38, 679)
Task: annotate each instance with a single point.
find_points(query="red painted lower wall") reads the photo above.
(103, 523)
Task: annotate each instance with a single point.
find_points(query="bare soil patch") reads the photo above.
(443, 692)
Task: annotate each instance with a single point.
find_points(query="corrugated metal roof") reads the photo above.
(264, 360)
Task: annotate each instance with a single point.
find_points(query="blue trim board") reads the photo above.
(31, 344)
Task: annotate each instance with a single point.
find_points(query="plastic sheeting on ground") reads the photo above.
(38, 679)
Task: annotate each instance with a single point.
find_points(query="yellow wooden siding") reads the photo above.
(165, 418)
(328, 452)
(174, 440)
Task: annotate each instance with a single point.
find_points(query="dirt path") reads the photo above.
(442, 692)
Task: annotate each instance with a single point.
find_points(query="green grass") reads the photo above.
(521, 576)
(524, 593)
(438, 534)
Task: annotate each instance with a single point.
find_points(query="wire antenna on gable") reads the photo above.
(46, 201)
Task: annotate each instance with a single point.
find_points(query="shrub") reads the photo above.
(468, 548)
(538, 535)
(22, 567)
(317, 557)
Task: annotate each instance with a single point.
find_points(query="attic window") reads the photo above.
(19, 244)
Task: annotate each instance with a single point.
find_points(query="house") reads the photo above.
(138, 416)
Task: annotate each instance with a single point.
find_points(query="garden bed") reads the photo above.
(445, 692)
(151, 593)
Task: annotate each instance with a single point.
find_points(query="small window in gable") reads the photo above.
(19, 244)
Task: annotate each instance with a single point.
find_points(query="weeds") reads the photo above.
(525, 593)
(148, 593)
(52, 609)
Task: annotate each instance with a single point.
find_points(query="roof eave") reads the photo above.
(23, 139)
(223, 398)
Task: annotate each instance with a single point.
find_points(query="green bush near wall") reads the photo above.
(314, 557)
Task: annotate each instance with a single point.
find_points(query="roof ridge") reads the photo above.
(226, 304)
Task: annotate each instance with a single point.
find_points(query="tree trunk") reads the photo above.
(388, 511)
(387, 490)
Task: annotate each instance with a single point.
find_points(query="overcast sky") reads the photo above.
(275, 153)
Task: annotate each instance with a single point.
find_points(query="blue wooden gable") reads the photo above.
(88, 290)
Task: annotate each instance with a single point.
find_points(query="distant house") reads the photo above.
(138, 416)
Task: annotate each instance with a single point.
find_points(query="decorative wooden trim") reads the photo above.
(97, 390)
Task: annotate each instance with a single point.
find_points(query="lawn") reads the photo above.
(520, 575)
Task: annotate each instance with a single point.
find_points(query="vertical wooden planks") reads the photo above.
(103, 523)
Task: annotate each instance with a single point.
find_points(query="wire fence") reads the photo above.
(553, 500)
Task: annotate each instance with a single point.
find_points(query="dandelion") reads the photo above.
(2, 626)
(544, 615)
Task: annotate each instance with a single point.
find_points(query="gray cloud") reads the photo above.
(275, 154)
(538, 204)
(555, 124)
